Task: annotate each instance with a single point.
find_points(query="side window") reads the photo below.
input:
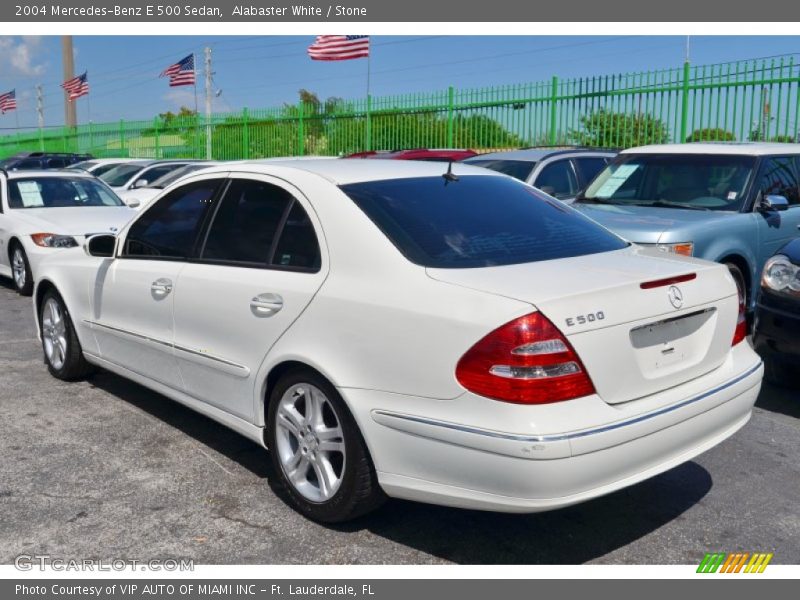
(778, 176)
(169, 228)
(558, 179)
(298, 245)
(56, 163)
(246, 225)
(589, 167)
(27, 164)
(150, 175)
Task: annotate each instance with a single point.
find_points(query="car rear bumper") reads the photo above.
(469, 465)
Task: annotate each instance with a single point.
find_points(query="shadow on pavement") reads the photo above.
(569, 536)
(779, 399)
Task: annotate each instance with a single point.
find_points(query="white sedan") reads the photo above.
(43, 212)
(388, 328)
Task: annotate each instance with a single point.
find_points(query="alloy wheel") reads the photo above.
(18, 268)
(54, 333)
(310, 442)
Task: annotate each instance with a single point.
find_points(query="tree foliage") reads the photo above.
(711, 134)
(607, 129)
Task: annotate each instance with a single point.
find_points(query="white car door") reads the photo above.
(261, 263)
(132, 301)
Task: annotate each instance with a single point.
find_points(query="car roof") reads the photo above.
(731, 148)
(49, 173)
(537, 154)
(343, 172)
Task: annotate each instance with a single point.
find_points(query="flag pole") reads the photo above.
(196, 109)
(368, 141)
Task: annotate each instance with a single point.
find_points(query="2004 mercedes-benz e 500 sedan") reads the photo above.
(430, 332)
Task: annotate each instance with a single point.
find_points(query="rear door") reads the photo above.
(259, 266)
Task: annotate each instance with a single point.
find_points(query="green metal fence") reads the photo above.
(748, 100)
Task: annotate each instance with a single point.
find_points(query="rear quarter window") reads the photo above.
(477, 221)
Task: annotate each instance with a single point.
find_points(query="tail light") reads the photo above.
(526, 361)
(740, 333)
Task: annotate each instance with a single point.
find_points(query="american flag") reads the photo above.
(181, 73)
(8, 101)
(339, 47)
(76, 87)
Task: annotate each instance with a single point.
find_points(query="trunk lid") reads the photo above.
(634, 342)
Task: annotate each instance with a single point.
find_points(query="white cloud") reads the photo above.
(184, 96)
(21, 56)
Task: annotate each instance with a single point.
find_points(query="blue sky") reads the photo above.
(267, 71)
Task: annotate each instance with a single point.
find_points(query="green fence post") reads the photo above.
(368, 141)
(553, 111)
(450, 107)
(245, 133)
(685, 102)
(301, 134)
(157, 136)
(121, 137)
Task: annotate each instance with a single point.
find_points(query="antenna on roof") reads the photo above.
(449, 175)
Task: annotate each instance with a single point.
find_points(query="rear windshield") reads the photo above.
(477, 221)
(681, 181)
(120, 174)
(519, 169)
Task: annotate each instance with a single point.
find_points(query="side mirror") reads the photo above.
(101, 245)
(140, 183)
(133, 203)
(773, 202)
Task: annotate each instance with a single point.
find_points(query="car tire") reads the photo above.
(738, 277)
(778, 373)
(317, 450)
(63, 354)
(21, 270)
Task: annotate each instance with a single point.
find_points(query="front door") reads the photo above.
(132, 300)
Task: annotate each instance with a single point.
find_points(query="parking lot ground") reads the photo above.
(108, 469)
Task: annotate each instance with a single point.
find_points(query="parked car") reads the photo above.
(43, 212)
(441, 334)
(141, 196)
(428, 154)
(734, 203)
(98, 166)
(776, 335)
(139, 173)
(561, 173)
(28, 161)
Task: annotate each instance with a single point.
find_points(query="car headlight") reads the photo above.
(53, 240)
(682, 248)
(781, 275)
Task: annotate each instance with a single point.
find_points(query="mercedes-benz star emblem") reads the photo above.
(675, 296)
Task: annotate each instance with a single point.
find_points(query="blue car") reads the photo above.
(776, 336)
(733, 203)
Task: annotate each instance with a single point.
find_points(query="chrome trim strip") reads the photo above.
(191, 351)
(576, 434)
(130, 333)
(218, 359)
(696, 313)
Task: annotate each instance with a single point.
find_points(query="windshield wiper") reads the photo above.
(595, 200)
(661, 204)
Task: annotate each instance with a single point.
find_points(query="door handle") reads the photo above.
(161, 287)
(266, 305)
